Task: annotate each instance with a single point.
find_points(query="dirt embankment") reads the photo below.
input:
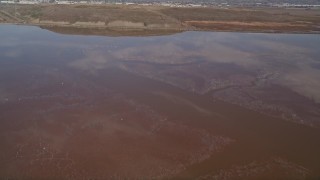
(103, 16)
(156, 18)
(250, 19)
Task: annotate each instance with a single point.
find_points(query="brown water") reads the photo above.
(191, 105)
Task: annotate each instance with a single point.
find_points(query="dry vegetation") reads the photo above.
(163, 18)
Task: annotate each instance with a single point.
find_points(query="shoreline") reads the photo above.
(105, 31)
(119, 19)
(121, 30)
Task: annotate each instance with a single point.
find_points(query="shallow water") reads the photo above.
(189, 105)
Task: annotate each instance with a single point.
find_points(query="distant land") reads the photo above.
(125, 18)
(221, 3)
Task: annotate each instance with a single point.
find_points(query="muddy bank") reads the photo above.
(116, 25)
(119, 17)
(109, 31)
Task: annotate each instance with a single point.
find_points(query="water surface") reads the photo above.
(189, 105)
